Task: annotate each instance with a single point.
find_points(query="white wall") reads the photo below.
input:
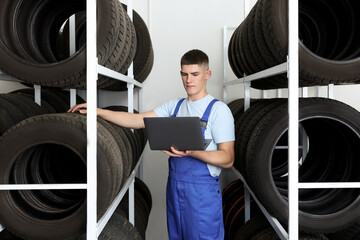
(176, 27)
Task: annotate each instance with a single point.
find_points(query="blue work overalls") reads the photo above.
(193, 196)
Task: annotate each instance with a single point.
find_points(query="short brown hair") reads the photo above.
(195, 56)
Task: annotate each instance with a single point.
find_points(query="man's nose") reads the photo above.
(188, 79)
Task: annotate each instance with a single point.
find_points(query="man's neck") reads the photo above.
(197, 97)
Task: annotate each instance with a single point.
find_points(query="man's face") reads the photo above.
(194, 78)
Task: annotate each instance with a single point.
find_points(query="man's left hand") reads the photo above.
(177, 153)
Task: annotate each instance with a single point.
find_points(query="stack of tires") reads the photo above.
(34, 44)
(50, 149)
(143, 205)
(259, 228)
(328, 51)
(119, 226)
(44, 144)
(331, 130)
(233, 198)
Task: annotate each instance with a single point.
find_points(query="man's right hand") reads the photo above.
(81, 108)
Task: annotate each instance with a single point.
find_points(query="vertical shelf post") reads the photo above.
(246, 191)
(130, 87)
(91, 84)
(72, 97)
(72, 50)
(37, 95)
(131, 203)
(331, 91)
(140, 172)
(293, 78)
(247, 86)
(225, 50)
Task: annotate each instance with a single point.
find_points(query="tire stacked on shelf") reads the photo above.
(34, 42)
(144, 57)
(234, 208)
(15, 107)
(6, 235)
(58, 99)
(258, 228)
(51, 148)
(19, 105)
(350, 233)
(329, 52)
(333, 136)
(143, 205)
(140, 139)
(118, 227)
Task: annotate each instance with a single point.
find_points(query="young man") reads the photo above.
(193, 194)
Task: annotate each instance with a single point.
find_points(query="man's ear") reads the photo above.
(208, 73)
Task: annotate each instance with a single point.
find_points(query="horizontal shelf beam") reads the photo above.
(41, 186)
(101, 69)
(113, 74)
(286, 147)
(278, 69)
(312, 185)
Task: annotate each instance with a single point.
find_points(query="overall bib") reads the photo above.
(193, 196)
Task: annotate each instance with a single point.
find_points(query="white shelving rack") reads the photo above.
(292, 69)
(93, 69)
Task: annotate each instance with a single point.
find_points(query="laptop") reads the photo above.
(183, 133)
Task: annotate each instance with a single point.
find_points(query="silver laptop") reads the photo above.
(183, 133)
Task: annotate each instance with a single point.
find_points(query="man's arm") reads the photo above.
(124, 119)
(223, 157)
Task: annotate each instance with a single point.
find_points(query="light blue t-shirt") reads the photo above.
(220, 126)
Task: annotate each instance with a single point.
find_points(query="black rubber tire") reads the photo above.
(326, 215)
(125, 149)
(142, 206)
(118, 227)
(251, 228)
(6, 235)
(328, 53)
(58, 99)
(350, 233)
(69, 131)
(144, 57)
(15, 108)
(234, 208)
(253, 64)
(140, 136)
(244, 128)
(69, 72)
(312, 66)
(125, 57)
(145, 192)
(270, 234)
(231, 55)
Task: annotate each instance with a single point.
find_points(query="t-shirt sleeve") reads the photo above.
(222, 129)
(166, 110)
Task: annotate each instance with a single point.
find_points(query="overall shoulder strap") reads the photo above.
(205, 117)
(177, 107)
(206, 114)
